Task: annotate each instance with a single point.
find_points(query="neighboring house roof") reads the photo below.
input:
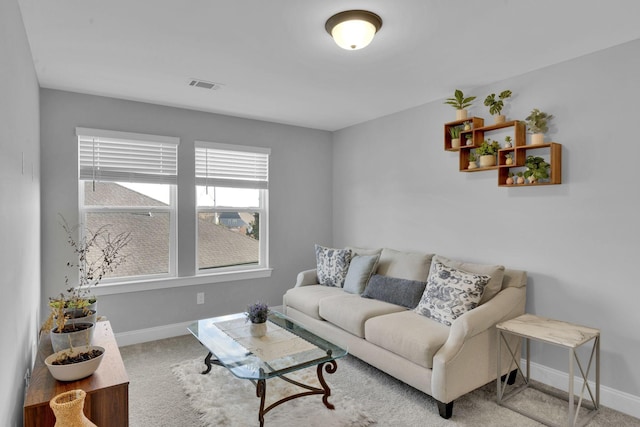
(149, 246)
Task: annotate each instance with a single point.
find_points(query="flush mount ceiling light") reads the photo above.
(353, 29)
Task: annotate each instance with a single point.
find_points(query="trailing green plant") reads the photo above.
(537, 168)
(496, 105)
(459, 102)
(472, 157)
(455, 131)
(538, 121)
(488, 148)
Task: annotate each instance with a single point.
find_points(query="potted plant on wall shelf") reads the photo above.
(72, 314)
(454, 131)
(469, 139)
(472, 161)
(537, 169)
(538, 124)
(509, 180)
(460, 103)
(487, 152)
(497, 104)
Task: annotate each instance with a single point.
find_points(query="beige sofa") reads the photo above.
(445, 362)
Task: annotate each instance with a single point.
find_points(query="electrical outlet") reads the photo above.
(200, 297)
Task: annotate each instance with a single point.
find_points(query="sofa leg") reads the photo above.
(445, 409)
(512, 377)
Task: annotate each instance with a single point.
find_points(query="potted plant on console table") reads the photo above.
(72, 316)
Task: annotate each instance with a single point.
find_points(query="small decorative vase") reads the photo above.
(461, 114)
(455, 143)
(499, 118)
(537, 139)
(508, 161)
(258, 329)
(467, 126)
(532, 180)
(469, 141)
(487, 160)
(520, 180)
(510, 181)
(472, 165)
(68, 409)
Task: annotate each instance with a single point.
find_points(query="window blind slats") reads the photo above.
(228, 168)
(146, 161)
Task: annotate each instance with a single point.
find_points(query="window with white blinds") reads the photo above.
(223, 165)
(128, 184)
(232, 184)
(110, 156)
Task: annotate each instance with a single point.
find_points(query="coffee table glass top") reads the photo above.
(286, 347)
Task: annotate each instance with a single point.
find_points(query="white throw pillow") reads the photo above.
(332, 265)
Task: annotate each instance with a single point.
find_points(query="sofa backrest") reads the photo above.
(404, 265)
(514, 279)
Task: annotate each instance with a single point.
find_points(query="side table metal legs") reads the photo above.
(573, 407)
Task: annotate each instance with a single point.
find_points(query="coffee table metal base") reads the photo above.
(261, 386)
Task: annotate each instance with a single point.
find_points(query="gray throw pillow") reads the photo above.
(360, 271)
(404, 292)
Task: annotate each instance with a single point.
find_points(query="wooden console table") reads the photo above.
(107, 401)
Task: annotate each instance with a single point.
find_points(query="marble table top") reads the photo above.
(549, 330)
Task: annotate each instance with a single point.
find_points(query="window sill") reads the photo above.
(177, 282)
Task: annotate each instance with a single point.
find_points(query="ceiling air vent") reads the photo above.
(204, 84)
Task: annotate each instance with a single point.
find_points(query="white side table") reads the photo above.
(558, 333)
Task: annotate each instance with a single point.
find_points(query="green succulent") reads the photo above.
(455, 131)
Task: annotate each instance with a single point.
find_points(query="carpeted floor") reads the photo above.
(156, 397)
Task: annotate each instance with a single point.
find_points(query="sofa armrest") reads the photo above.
(307, 277)
(467, 359)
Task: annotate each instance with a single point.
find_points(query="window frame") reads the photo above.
(262, 210)
(171, 209)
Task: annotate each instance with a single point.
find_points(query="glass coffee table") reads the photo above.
(286, 347)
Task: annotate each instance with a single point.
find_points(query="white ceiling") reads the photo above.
(277, 63)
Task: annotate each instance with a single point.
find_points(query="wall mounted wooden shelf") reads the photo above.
(518, 150)
(554, 151)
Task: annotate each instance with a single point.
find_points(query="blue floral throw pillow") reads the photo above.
(450, 293)
(332, 265)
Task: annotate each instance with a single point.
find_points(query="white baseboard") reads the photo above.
(152, 334)
(609, 397)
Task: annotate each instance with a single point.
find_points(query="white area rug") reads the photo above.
(224, 400)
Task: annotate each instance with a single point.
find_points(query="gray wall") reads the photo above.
(299, 199)
(19, 211)
(395, 186)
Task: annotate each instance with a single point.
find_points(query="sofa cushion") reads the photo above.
(420, 340)
(306, 299)
(360, 271)
(495, 271)
(332, 265)
(405, 265)
(364, 251)
(450, 293)
(395, 291)
(350, 312)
